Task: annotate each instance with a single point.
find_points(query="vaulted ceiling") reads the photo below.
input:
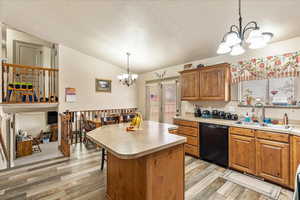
(158, 33)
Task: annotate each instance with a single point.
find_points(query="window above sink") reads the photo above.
(275, 93)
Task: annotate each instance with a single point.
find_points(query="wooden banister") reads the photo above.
(29, 84)
(29, 67)
(77, 119)
(3, 147)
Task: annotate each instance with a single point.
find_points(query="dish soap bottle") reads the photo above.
(247, 118)
(285, 119)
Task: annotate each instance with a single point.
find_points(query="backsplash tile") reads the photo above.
(232, 106)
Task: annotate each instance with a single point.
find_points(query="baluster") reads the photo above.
(54, 85)
(49, 86)
(2, 81)
(44, 86)
(8, 96)
(39, 90)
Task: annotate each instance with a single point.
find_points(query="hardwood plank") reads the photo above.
(211, 189)
(80, 178)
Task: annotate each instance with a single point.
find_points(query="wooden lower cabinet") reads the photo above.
(158, 176)
(295, 158)
(242, 153)
(190, 130)
(272, 161)
(192, 150)
(24, 148)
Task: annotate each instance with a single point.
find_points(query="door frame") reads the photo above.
(160, 82)
(15, 42)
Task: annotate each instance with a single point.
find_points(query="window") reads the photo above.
(273, 92)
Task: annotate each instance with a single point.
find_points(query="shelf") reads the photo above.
(273, 106)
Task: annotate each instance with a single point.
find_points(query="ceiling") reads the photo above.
(158, 33)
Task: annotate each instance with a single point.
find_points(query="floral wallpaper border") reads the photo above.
(286, 65)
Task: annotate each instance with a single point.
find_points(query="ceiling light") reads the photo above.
(254, 35)
(127, 78)
(235, 38)
(237, 50)
(232, 39)
(267, 36)
(223, 48)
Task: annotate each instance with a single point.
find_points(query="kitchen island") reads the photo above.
(143, 164)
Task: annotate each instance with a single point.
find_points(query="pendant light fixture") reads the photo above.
(234, 40)
(127, 78)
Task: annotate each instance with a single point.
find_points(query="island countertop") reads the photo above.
(124, 144)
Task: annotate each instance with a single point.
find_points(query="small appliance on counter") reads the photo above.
(206, 114)
(197, 111)
(221, 115)
(228, 116)
(215, 114)
(234, 117)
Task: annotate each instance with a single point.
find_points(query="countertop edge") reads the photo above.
(140, 154)
(230, 123)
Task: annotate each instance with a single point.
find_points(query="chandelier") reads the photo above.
(234, 40)
(127, 78)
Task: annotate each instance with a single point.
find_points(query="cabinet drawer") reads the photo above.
(192, 150)
(184, 130)
(279, 137)
(241, 131)
(186, 123)
(192, 140)
(173, 131)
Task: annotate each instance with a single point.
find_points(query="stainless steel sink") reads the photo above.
(264, 125)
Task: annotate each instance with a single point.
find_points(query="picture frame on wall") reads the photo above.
(102, 85)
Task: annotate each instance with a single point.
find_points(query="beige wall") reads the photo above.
(272, 49)
(32, 122)
(79, 71)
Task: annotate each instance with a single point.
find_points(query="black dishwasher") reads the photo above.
(214, 143)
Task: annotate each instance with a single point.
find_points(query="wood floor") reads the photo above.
(81, 178)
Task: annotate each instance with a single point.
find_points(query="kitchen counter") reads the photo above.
(293, 130)
(152, 137)
(138, 162)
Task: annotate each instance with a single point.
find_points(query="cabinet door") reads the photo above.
(214, 84)
(295, 158)
(242, 153)
(190, 85)
(272, 161)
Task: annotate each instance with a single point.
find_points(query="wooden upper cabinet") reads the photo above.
(272, 161)
(189, 85)
(206, 83)
(295, 158)
(215, 83)
(242, 153)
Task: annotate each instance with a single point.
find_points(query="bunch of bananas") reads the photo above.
(137, 121)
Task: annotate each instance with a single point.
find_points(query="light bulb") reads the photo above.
(223, 48)
(232, 39)
(254, 35)
(237, 50)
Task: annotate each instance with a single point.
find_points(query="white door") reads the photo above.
(162, 101)
(153, 102)
(28, 54)
(169, 101)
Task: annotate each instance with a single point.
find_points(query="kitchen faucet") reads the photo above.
(263, 111)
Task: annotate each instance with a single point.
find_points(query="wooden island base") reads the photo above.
(157, 176)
